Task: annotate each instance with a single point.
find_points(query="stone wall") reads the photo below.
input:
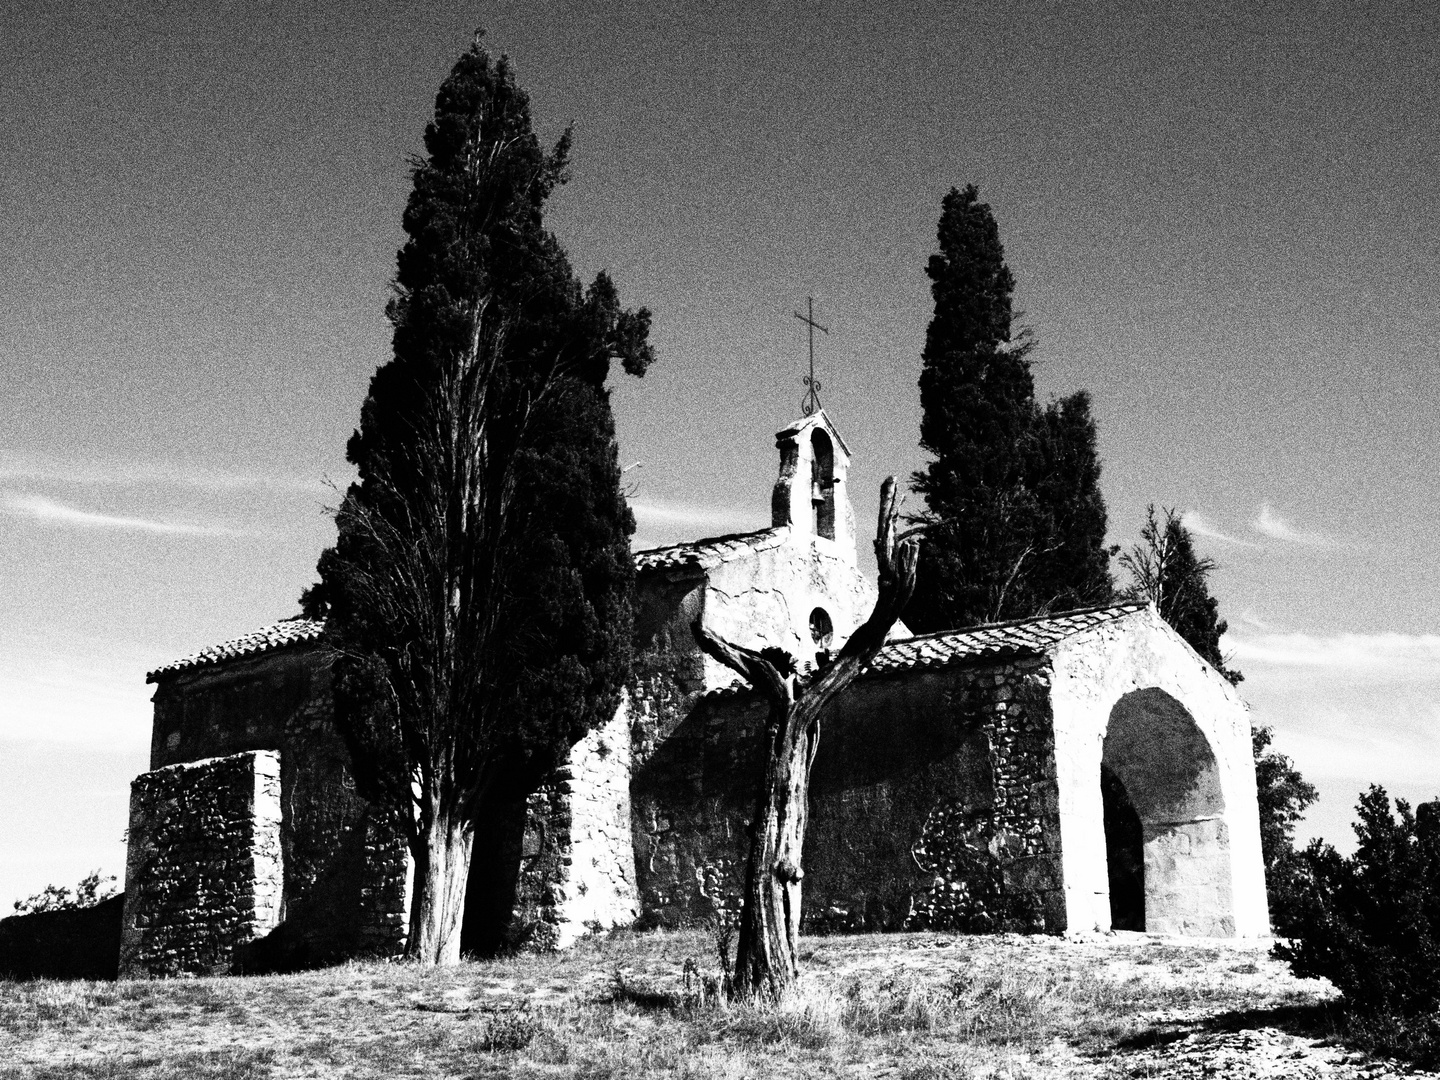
(204, 872)
(346, 865)
(691, 800)
(576, 861)
(933, 805)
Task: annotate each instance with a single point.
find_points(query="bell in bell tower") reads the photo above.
(810, 492)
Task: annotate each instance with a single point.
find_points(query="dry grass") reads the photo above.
(903, 1006)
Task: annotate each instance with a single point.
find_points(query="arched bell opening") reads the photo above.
(822, 483)
(1164, 767)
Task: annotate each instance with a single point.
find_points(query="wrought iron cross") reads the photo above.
(812, 398)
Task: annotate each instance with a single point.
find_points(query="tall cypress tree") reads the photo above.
(1165, 570)
(478, 596)
(1015, 524)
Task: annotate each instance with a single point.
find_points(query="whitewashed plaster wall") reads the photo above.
(765, 598)
(599, 891)
(1091, 673)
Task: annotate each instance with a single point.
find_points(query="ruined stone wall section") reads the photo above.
(204, 874)
(387, 887)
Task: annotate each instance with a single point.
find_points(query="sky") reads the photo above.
(1221, 218)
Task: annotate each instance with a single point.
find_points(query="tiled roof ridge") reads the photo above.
(1013, 637)
(697, 551)
(1119, 608)
(295, 631)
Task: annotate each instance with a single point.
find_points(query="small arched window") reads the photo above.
(822, 630)
(822, 483)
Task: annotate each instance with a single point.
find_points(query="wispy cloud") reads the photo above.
(1408, 656)
(1201, 526)
(1249, 620)
(124, 474)
(1269, 523)
(1351, 709)
(39, 508)
(661, 512)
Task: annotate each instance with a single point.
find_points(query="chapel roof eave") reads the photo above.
(1016, 637)
(286, 634)
(710, 552)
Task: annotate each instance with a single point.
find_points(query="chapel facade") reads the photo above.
(1080, 771)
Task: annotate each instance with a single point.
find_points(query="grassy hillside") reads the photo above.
(637, 1006)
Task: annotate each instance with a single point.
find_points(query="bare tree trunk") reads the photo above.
(767, 952)
(438, 908)
(766, 959)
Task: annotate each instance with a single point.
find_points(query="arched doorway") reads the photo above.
(1162, 770)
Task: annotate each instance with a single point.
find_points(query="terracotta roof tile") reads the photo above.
(290, 632)
(708, 553)
(1021, 637)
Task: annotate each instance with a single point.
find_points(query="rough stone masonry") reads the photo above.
(203, 873)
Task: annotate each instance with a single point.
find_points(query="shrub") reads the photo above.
(1370, 923)
(1284, 795)
(91, 891)
(507, 1032)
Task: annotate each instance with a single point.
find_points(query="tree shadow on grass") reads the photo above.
(1311, 1021)
(641, 995)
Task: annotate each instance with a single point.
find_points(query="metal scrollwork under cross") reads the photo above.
(811, 401)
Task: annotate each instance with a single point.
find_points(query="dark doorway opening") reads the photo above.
(1170, 779)
(490, 890)
(1124, 854)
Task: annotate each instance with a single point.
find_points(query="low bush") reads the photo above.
(92, 890)
(508, 1032)
(1370, 923)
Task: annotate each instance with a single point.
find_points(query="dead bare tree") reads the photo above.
(766, 960)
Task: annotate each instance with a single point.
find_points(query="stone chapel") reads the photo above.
(1080, 771)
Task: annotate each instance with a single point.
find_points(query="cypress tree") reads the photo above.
(478, 596)
(1165, 570)
(1015, 523)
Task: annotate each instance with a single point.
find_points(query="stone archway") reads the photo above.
(1166, 767)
